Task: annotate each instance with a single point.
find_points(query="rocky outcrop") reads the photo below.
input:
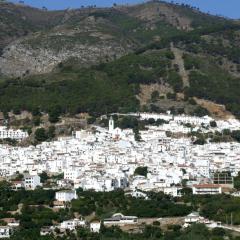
(19, 59)
(85, 40)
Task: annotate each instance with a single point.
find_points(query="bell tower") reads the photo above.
(111, 125)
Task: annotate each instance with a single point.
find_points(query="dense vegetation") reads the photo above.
(127, 25)
(205, 61)
(109, 203)
(9, 200)
(214, 86)
(105, 88)
(112, 86)
(218, 207)
(34, 210)
(175, 232)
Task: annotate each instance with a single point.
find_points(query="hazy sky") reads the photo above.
(229, 8)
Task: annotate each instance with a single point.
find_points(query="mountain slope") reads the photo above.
(154, 56)
(44, 39)
(18, 20)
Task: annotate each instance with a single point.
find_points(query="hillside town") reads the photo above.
(119, 120)
(107, 159)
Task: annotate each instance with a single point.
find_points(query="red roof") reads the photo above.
(9, 220)
(182, 165)
(17, 182)
(206, 186)
(58, 203)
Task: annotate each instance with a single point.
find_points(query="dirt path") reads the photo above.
(180, 62)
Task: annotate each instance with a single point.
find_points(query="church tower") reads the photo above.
(111, 125)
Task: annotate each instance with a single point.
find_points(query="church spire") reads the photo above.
(111, 125)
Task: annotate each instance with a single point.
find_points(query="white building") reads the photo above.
(13, 134)
(120, 219)
(31, 181)
(137, 194)
(236, 194)
(17, 185)
(173, 191)
(11, 222)
(102, 161)
(72, 224)
(95, 226)
(116, 133)
(5, 231)
(111, 125)
(46, 231)
(64, 183)
(193, 217)
(211, 189)
(71, 174)
(65, 196)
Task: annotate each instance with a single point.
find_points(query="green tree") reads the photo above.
(137, 135)
(200, 111)
(200, 140)
(51, 132)
(152, 232)
(41, 135)
(44, 177)
(220, 232)
(236, 181)
(154, 96)
(36, 120)
(213, 124)
(142, 171)
(236, 135)
(196, 232)
(54, 114)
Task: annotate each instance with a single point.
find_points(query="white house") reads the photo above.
(71, 174)
(31, 181)
(173, 191)
(46, 231)
(120, 219)
(72, 224)
(137, 194)
(11, 222)
(64, 183)
(59, 204)
(17, 185)
(193, 217)
(13, 134)
(5, 231)
(95, 226)
(65, 195)
(202, 189)
(236, 194)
